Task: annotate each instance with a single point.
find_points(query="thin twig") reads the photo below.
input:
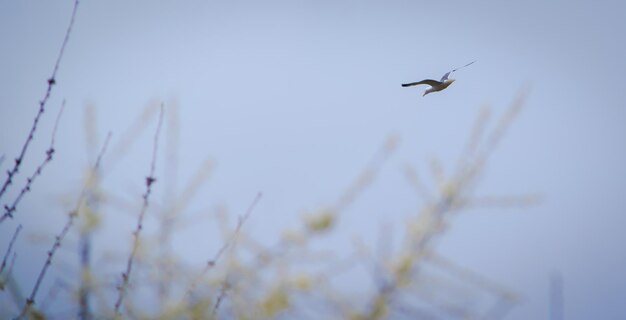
(128, 138)
(169, 221)
(53, 292)
(240, 222)
(13, 258)
(57, 243)
(9, 210)
(6, 255)
(150, 180)
(501, 127)
(468, 174)
(473, 142)
(420, 189)
(470, 276)
(220, 297)
(42, 104)
(84, 290)
(367, 175)
(431, 221)
(556, 296)
(503, 201)
(85, 285)
(230, 243)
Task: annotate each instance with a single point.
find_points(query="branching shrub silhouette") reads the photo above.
(245, 279)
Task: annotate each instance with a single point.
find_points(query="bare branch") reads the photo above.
(57, 242)
(150, 180)
(367, 175)
(477, 134)
(420, 189)
(231, 242)
(8, 210)
(220, 297)
(503, 201)
(51, 82)
(240, 222)
(8, 252)
(503, 124)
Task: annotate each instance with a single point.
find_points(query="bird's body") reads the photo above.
(434, 84)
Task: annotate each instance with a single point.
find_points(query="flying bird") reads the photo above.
(434, 84)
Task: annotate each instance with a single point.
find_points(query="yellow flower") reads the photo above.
(274, 303)
(320, 222)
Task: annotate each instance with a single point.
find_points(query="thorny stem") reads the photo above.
(150, 180)
(51, 82)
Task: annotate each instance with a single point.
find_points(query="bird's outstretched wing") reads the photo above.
(429, 82)
(445, 76)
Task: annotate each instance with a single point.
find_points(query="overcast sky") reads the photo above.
(293, 98)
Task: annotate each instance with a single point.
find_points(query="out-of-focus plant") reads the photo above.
(243, 278)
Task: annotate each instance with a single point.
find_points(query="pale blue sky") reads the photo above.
(292, 98)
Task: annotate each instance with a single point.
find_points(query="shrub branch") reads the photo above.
(9, 210)
(30, 301)
(150, 180)
(8, 252)
(42, 104)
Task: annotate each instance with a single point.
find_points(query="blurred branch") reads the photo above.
(556, 295)
(168, 218)
(87, 212)
(419, 187)
(228, 244)
(128, 137)
(503, 201)
(57, 287)
(367, 175)
(233, 239)
(478, 132)
(501, 127)
(471, 276)
(453, 194)
(57, 243)
(8, 252)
